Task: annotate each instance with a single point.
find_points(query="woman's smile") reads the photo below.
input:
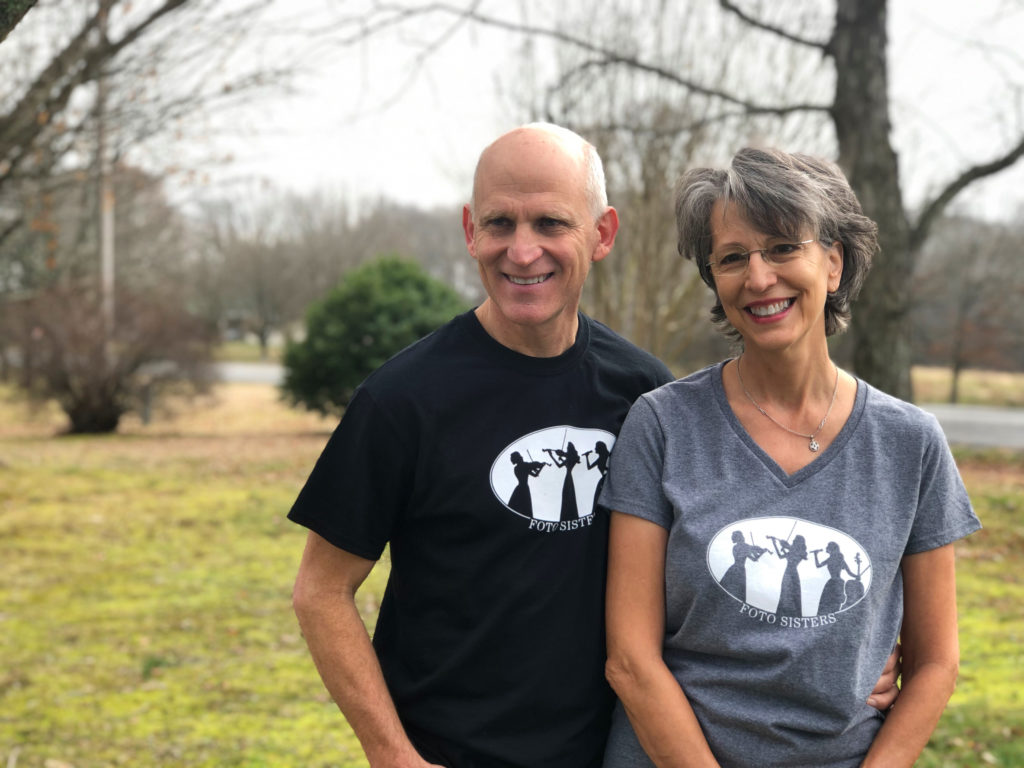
(770, 309)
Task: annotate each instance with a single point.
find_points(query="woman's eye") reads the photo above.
(784, 249)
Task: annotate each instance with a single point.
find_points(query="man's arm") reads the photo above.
(324, 602)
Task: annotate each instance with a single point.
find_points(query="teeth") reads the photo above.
(528, 280)
(764, 310)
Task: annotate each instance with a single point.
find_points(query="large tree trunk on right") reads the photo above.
(881, 333)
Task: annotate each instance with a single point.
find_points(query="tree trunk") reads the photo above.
(881, 337)
(93, 416)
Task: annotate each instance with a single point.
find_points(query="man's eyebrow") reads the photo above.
(493, 214)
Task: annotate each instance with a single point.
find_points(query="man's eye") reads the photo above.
(498, 223)
(548, 222)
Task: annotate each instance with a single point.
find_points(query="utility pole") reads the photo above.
(106, 195)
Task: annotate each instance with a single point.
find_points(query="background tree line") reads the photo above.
(109, 99)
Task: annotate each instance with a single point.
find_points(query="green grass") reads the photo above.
(247, 352)
(145, 582)
(144, 602)
(984, 723)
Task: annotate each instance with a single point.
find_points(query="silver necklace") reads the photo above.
(813, 444)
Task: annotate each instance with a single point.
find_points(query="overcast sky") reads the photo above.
(344, 133)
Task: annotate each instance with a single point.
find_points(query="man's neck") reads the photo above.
(548, 340)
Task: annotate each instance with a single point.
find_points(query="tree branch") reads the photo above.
(79, 62)
(933, 210)
(606, 56)
(611, 59)
(11, 12)
(751, 21)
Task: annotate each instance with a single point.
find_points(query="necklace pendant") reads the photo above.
(813, 445)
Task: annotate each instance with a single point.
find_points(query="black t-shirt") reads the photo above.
(480, 466)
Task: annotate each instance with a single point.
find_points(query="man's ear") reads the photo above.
(468, 228)
(607, 228)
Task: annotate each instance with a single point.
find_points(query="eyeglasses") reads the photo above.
(732, 263)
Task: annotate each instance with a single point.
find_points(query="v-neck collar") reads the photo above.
(819, 463)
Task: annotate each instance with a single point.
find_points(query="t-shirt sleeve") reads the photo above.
(360, 484)
(634, 482)
(944, 512)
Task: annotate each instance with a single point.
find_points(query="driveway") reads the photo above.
(250, 373)
(980, 425)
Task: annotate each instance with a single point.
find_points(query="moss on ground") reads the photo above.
(145, 581)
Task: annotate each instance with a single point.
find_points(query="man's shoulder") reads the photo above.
(430, 355)
(615, 349)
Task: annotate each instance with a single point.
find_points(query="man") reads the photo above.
(469, 453)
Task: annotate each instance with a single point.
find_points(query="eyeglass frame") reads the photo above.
(762, 251)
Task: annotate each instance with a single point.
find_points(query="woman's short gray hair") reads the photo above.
(782, 195)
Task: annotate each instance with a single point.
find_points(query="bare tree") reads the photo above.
(58, 336)
(55, 340)
(432, 238)
(850, 50)
(969, 295)
(91, 86)
(263, 260)
(163, 63)
(257, 273)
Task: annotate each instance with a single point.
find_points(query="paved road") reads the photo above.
(963, 424)
(980, 425)
(250, 373)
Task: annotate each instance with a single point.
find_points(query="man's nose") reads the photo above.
(524, 248)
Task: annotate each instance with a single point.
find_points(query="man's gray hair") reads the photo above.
(781, 195)
(594, 180)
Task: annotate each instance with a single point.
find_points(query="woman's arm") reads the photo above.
(661, 716)
(931, 658)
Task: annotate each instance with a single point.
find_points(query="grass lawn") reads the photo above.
(932, 385)
(248, 352)
(145, 581)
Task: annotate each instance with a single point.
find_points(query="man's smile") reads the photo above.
(529, 280)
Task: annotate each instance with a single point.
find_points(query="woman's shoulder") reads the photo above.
(696, 385)
(898, 416)
(685, 398)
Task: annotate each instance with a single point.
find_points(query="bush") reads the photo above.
(55, 344)
(376, 311)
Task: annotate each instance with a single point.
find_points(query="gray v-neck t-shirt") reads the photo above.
(783, 592)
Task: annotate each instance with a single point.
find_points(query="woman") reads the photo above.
(735, 579)
(567, 459)
(521, 500)
(601, 456)
(783, 445)
(834, 593)
(791, 596)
